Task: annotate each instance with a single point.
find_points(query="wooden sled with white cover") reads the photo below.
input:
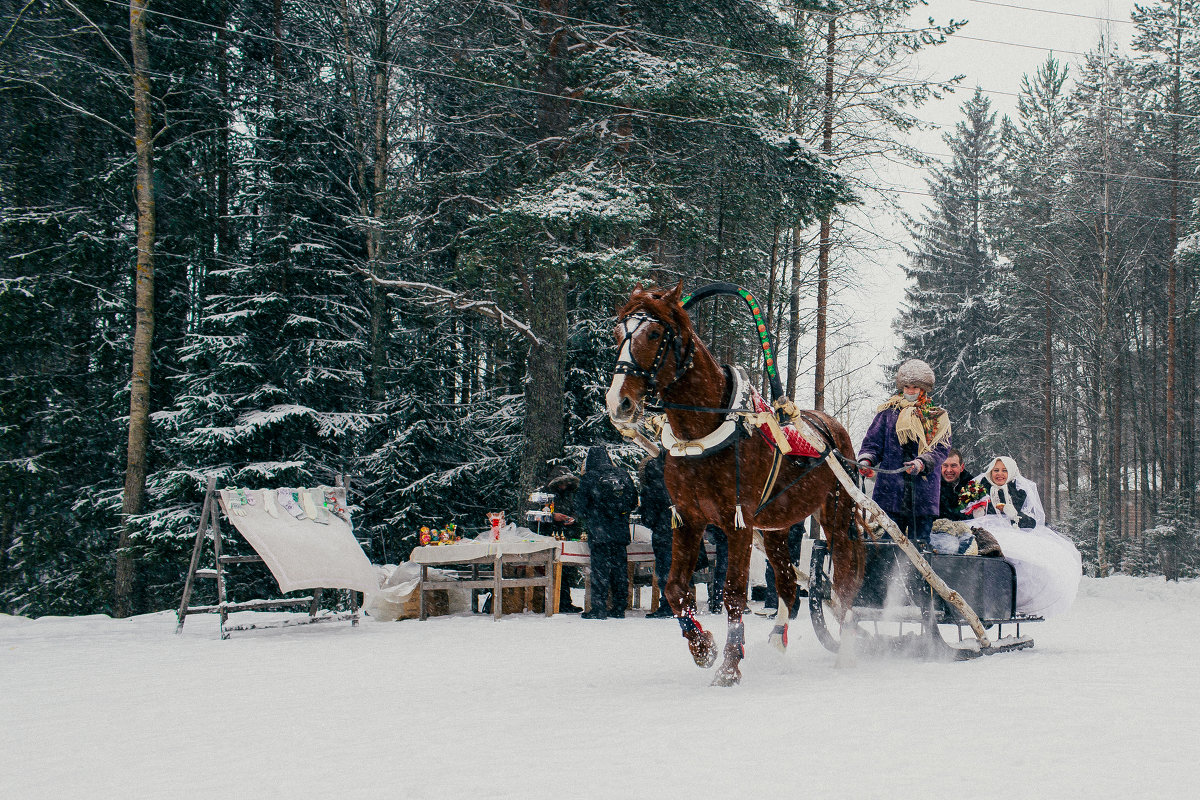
(303, 536)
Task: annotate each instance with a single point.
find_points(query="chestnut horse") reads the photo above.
(660, 355)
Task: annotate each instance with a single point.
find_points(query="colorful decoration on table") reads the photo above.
(495, 523)
(435, 537)
(972, 497)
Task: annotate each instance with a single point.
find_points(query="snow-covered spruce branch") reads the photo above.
(430, 295)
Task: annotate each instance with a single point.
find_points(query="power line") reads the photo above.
(625, 109)
(634, 110)
(1185, 29)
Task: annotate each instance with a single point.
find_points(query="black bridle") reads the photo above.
(670, 342)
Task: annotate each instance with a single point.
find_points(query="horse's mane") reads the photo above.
(664, 305)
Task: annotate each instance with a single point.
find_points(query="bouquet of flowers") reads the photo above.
(972, 497)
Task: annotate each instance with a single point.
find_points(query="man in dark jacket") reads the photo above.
(656, 515)
(954, 478)
(606, 496)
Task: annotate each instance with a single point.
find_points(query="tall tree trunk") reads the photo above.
(224, 234)
(1048, 395)
(375, 243)
(794, 313)
(547, 297)
(823, 248)
(1169, 475)
(143, 332)
(766, 378)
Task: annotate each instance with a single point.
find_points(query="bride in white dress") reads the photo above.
(1047, 564)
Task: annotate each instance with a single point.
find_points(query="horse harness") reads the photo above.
(740, 419)
(670, 342)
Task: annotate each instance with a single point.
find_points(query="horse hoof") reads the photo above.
(704, 652)
(727, 677)
(779, 638)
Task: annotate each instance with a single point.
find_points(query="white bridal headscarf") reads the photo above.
(1033, 501)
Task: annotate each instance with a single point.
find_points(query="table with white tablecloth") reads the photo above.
(486, 561)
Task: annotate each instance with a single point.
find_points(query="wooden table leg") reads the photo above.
(528, 572)
(587, 587)
(498, 596)
(557, 583)
(551, 584)
(653, 592)
(421, 591)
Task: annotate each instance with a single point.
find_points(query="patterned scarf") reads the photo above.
(920, 421)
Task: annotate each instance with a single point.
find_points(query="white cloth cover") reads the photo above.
(1047, 564)
(301, 553)
(396, 587)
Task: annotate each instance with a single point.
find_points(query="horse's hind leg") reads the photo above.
(685, 546)
(738, 575)
(849, 567)
(775, 546)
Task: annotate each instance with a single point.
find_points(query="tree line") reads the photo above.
(1055, 290)
(279, 240)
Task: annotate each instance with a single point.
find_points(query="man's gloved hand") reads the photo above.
(864, 468)
(914, 467)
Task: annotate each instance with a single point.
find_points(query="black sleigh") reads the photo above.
(899, 613)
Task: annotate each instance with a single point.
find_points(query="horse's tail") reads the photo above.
(846, 545)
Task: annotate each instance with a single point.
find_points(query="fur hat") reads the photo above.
(561, 480)
(914, 372)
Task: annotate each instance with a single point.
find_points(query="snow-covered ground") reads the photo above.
(1105, 706)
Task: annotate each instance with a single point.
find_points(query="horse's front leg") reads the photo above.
(686, 542)
(738, 575)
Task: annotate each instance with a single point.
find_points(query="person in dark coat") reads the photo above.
(720, 566)
(954, 479)
(563, 485)
(656, 515)
(606, 496)
(795, 543)
(911, 436)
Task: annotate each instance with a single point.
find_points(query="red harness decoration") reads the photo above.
(800, 447)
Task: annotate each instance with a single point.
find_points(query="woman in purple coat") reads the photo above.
(912, 434)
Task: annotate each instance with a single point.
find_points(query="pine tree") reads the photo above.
(952, 306)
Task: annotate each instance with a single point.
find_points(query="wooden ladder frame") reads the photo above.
(210, 521)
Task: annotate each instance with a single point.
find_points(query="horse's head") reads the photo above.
(655, 343)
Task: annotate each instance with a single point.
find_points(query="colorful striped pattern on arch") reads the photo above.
(760, 323)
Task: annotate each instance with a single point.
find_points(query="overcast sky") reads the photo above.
(1001, 43)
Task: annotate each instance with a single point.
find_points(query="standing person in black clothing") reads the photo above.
(795, 542)
(606, 496)
(656, 515)
(720, 566)
(954, 478)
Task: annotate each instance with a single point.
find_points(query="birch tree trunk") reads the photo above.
(143, 333)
